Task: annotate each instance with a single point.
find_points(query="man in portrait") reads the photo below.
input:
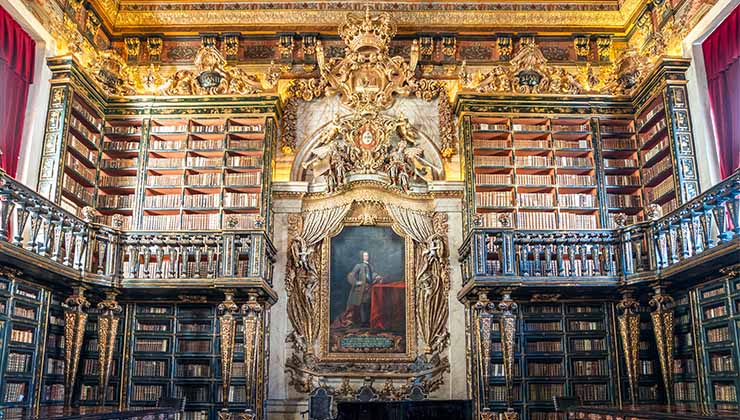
(361, 278)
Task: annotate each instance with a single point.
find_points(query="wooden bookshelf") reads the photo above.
(82, 152)
(539, 172)
(561, 349)
(89, 366)
(685, 370)
(23, 306)
(52, 393)
(656, 161)
(718, 309)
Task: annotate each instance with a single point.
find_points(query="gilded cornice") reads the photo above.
(174, 19)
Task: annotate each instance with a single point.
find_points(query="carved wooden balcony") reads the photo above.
(701, 236)
(44, 240)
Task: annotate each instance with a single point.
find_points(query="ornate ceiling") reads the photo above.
(187, 16)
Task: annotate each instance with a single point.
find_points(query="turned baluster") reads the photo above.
(537, 269)
(172, 253)
(159, 257)
(524, 259)
(57, 239)
(548, 259)
(697, 236)
(185, 257)
(559, 257)
(21, 216)
(146, 251)
(734, 210)
(595, 258)
(685, 235)
(720, 216)
(133, 259)
(102, 252)
(584, 260)
(572, 259)
(210, 253)
(6, 208)
(80, 246)
(69, 243)
(36, 221)
(198, 259)
(44, 245)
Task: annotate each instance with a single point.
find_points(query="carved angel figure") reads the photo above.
(301, 255)
(330, 157)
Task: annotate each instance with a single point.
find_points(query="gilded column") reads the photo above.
(74, 332)
(483, 309)
(108, 320)
(228, 310)
(507, 327)
(662, 316)
(629, 331)
(252, 320)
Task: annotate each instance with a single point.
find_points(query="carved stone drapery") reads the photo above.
(75, 319)
(507, 328)
(629, 331)
(252, 326)
(108, 321)
(228, 310)
(662, 316)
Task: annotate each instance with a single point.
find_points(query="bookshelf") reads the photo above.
(622, 181)
(89, 366)
(718, 310)
(52, 393)
(539, 172)
(200, 169)
(23, 306)
(656, 161)
(685, 386)
(82, 152)
(561, 349)
(175, 353)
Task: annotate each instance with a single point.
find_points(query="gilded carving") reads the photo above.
(132, 47)
(252, 326)
(213, 76)
(507, 327)
(231, 46)
(108, 322)
(527, 73)
(449, 47)
(662, 317)
(112, 74)
(75, 319)
(154, 47)
(604, 46)
(627, 72)
(228, 310)
(582, 46)
(629, 332)
(288, 125)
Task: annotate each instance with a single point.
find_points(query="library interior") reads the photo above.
(369, 210)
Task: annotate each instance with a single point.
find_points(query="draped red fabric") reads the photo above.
(722, 61)
(16, 75)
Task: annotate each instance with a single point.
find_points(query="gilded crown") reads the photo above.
(368, 34)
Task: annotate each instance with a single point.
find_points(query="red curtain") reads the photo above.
(722, 60)
(16, 75)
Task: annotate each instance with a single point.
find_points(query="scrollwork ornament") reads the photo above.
(109, 319)
(662, 317)
(629, 332)
(228, 310)
(75, 319)
(433, 283)
(252, 326)
(507, 326)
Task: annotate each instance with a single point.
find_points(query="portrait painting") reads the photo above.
(367, 291)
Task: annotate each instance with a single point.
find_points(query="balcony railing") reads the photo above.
(708, 224)
(35, 231)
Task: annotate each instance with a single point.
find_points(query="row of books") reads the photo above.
(54, 366)
(194, 346)
(621, 163)
(536, 220)
(647, 392)
(654, 130)
(684, 366)
(78, 125)
(533, 179)
(156, 368)
(715, 312)
(55, 342)
(15, 392)
(93, 119)
(201, 200)
(24, 336)
(89, 392)
(193, 370)
(535, 199)
(18, 362)
(152, 326)
(643, 119)
(192, 393)
(119, 163)
(162, 201)
(125, 129)
(708, 294)
(572, 144)
(210, 178)
(491, 144)
(645, 367)
(721, 363)
(666, 186)
(578, 221)
(117, 181)
(650, 173)
(233, 199)
(655, 150)
(622, 180)
(545, 392)
(617, 128)
(619, 144)
(159, 145)
(77, 145)
(493, 199)
(592, 392)
(684, 391)
(597, 367)
(588, 344)
(540, 326)
(725, 391)
(116, 201)
(24, 312)
(500, 393)
(195, 327)
(54, 392)
(544, 368)
(117, 146)
(623, 200)
(147, 392)
(544, 346)
(151, 345)
(77, 166)
(576, 200)
(579, 325)
(152, 310)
